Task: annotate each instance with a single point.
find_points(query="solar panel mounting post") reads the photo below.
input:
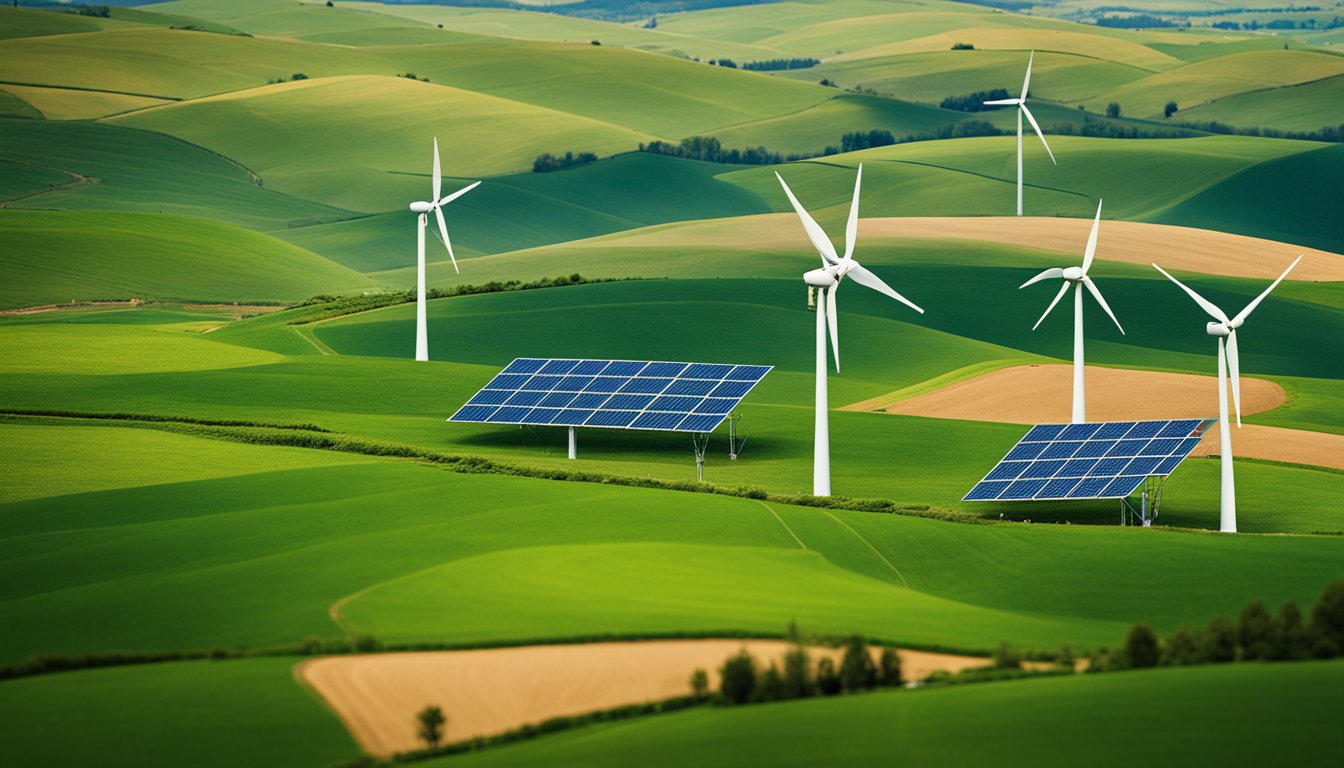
(573, 443)
(701, 441)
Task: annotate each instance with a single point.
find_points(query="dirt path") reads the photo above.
(490, 691)
(1041, 394)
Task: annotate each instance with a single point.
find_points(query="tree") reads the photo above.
(1169, 109)
(828, 682)
(1220, 640)
(771, 685)
(1065, 658)
(737, 678)
(857, 672)
(1290, 634)
(798, 673)
(1327, 622)
(889, 669)
(1255, 632)
(1142, 649)
(431, 724)
(1113, 109)
(699, 684)
(1006, 656)
(1183, 648)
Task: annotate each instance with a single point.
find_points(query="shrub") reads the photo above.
(1065, 657)
(699, 684)
(430, 725)
(889, 669)
(298, 76)
(1327, 622)
(366, 644)
(1006, 656)
(738, 678)
(1183, 648)
(1141, 647)
(857, 672)
(828, 682)
(1169, 109)
(1255, 632)
(1113, 109)
(548, 162)
(1290, 634)
(1220, 640)
(963, 47)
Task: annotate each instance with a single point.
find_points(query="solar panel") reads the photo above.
(615, 394)
(1089, 461)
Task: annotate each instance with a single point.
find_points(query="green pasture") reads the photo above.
(21, 22)
(814, 129)
(1304, 107)
(126, 561)
(71, 104)
(142, 171)
(53, 257)
(201, 713)
(1196, 716)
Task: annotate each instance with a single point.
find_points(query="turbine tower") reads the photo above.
(1228, 366)
(1077, 277)
(827, 280)
(1021, 103)
(434, 204)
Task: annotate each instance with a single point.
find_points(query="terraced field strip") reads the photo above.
(485, 692)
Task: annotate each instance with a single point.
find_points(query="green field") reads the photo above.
(240, 492)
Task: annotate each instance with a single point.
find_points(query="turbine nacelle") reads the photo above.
(1073, 274)
(820, 278)
(1218, 329)
(421, 207)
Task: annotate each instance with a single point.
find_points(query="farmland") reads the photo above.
(223, 461)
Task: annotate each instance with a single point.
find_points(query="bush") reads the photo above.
(1141, 647)
(430, 725)
(1290, 635)
(1007, 657)
(738, 678)
(1255, 632)
(1220, 641)
(1183, 648)
(1065, 657)
(1113, 109)
(963, 47)
(1327, 622)
(546, 161)
(889, 669)
(1169, 109)
(857, 672)
(828, 682)
(298, 76)
(699, 684)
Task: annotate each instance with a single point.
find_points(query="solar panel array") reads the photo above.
(1089, 461)
(615, 394)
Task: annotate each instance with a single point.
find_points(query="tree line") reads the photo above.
(546, 161)
(774, 65)
(975, 102)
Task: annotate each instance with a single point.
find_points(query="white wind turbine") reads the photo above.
(1021, 103)
(827, 280)
(435, 204)
(1228, 365)
(1077, 277)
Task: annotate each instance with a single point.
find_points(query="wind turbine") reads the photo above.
(1228, 365)
(1077, 277)
(827, 280)
(435, 204)
(1021, 103)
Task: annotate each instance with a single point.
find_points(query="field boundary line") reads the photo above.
(314, 341)
(870, 546)
(781, 522)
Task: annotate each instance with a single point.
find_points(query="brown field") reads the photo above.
(1042, 394)
(489, 691)
(1175, 248)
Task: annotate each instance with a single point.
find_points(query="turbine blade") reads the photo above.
(1026, 81)
(1062, 290)
(1037, 128)
(1234, 370)
(443, 231)
(459, 193)
(1046, 275)
(438, 175)
(863, 277)
(1004, 102)
(1092, 241)
(1245, 313)
(814, 232)
(831, 321)
(1096, 294)
(852, 226)
(1205, 304)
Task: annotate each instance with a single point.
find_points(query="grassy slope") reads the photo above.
(51, 257)
(18, 22)
(66, 104)
(193, 713)
(1303, 107)
(814, 129)
(301, 136)
(1200, 716)
(148, 172)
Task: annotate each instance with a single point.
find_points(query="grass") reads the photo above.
(125, 255)
(70, 104)
(1304, 107)
(814, 129)
(188, 713)
(147, 172)
(1196, 716)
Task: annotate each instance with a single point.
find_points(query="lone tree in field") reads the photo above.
(1141, 646)
(1169, 109)
(430, 724)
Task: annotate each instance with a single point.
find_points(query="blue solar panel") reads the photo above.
(1089, 461)
(619, 394)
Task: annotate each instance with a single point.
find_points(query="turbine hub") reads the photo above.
(820, 278)
(422, 207)
(1218, 329)
(1073, 274)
